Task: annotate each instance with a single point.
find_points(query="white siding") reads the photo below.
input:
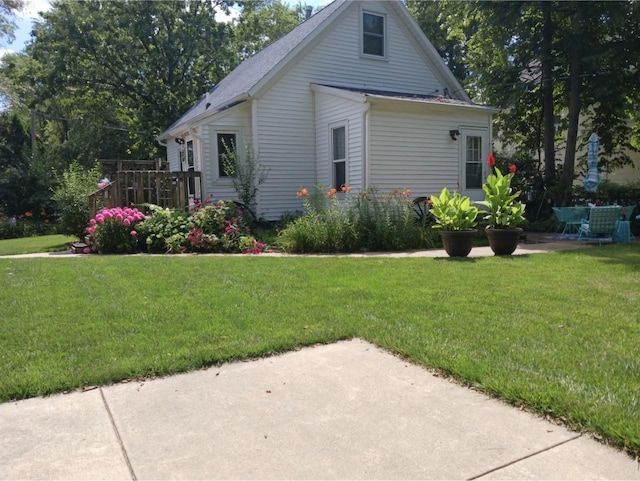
(331, 110)
(410, 148)
(285, 118)
(173, 155)
(236, 119)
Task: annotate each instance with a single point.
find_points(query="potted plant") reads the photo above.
(455, 216)
(503, 212)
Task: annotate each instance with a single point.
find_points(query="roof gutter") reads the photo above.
(188, 126)
(231, 103)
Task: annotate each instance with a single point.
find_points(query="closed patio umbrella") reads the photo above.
(592, 179)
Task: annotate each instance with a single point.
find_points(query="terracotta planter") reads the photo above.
(458, 243)
(503, 241)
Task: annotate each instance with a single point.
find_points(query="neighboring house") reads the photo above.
(355, 95)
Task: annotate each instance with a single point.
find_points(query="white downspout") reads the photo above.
(255, 139)
(366, 146)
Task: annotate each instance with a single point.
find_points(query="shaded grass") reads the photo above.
(29, 245)
(558, 333)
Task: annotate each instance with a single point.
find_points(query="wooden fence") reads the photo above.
(136, 187)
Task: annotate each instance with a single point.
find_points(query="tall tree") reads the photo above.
(136, 66)
(263, 21)
(540, 60)
(8, 8)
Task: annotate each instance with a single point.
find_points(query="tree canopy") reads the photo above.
(546, 65)
(8, 9)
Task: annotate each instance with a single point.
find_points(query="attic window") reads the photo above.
(373, 34)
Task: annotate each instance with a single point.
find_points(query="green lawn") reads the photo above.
(558, 333)
(29, 245)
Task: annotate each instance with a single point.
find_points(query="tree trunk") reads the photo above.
(575, 104)
(547, 96)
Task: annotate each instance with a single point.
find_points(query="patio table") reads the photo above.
(570, 218)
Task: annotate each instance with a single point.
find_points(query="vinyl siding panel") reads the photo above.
(333, 112)
(237, 119)
(411, 147)
(173, 156)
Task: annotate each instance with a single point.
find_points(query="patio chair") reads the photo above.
(570, 219)
(601, 225)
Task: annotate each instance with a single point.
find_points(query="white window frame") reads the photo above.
(191, 144)
(476, 193)
(216, 155)
(384, 35)
(333, 161)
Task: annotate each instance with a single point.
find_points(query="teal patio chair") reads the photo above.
(570, 219)
(601, 225)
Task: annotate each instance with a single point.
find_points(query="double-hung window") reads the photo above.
(339, 157)
(227, 153)
(373, 34)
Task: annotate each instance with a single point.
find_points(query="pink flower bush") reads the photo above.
(112, 230)
(255, 247)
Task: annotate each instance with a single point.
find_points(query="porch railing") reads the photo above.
(134, 188)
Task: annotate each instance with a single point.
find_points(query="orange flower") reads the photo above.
(346, 188)
(331, 193)
(305, 192)
(28, 214)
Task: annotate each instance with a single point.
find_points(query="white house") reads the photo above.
(355, 95)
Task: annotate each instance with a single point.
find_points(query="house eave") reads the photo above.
(436, 102)
(184, 127)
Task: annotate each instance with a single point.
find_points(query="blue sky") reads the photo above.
(26, 18)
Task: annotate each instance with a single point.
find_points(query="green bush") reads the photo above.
(17, 227)
(219, 227)
(72, 198)
(163, 229)
(344, 222)
(113, 231)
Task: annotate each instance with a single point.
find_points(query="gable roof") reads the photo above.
(235, 87)
(245, 79)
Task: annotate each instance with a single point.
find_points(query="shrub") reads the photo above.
(24, 226)
(342, 222)
(219, 227)
(113, 231)
(163, 229)
(246, 176)
(72, 197)
(388, 222)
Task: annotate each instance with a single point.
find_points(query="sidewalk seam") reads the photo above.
(120, 442)
(511, 463)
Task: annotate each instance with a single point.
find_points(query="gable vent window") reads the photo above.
(373, 34)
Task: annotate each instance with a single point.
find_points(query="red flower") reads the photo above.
(491, 161)
(512, 169)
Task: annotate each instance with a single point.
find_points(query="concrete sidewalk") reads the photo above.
(343, 411)
(540, 244)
